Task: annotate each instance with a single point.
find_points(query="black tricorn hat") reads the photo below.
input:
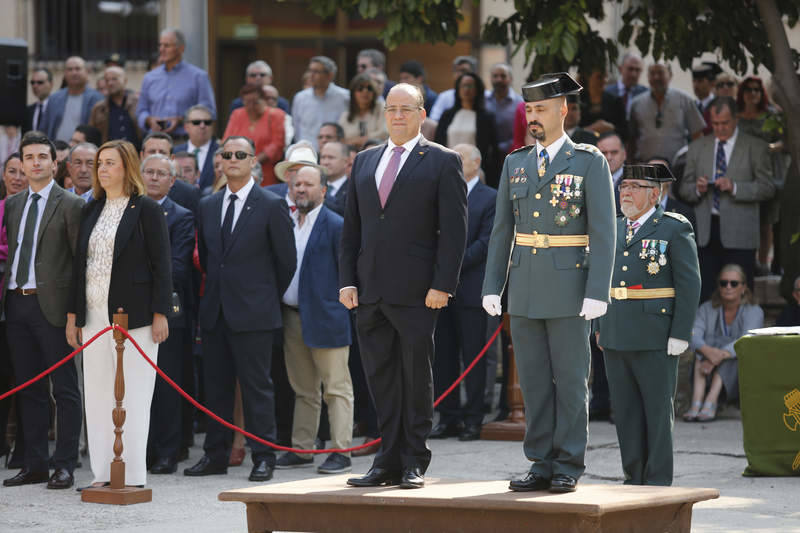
(656, 172)
(706, 69)
(549, 86)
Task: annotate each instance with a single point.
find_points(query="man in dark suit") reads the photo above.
(613, 149)
(181, 192)
(627, 85)
(41, 86)
(42, 223)
(333, 157)
(247, 250)
(462, 325)
(199, 124)
(403, 241)
(158, 173)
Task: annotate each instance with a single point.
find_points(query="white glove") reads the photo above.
(593, 309)
(676, 346)
(491, 302)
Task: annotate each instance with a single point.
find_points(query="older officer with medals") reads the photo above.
(553, 238)
(655, 292)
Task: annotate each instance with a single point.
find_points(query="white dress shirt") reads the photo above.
(238, 205)
(387, 154)
(301, 235)
(201, 155)
(642, 219)
(552, 150)
(335, 185)
(471, 184)
(12, 279)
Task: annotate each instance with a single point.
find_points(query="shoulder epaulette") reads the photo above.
(588, 148)
(676, 216)
(523, 148)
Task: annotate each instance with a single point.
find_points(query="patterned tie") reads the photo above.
(227, 224)
(632, 227)
(390, 174)
(544, 162)
(721, 170)
(26, 250)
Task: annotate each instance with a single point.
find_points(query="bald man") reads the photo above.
(115, 116)
(69, 107)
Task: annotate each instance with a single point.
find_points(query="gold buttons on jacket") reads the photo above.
(625, 253)
(624, 268)
(621, 283)
(515, 196)
(536, 214)
(663, 310)
(533, 251)
(538, 196)
(577, 265)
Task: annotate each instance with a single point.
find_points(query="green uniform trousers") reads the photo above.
(642, 386)
(552, 357)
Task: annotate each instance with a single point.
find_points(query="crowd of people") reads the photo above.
(225, 250)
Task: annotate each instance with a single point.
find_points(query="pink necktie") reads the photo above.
(390, 174)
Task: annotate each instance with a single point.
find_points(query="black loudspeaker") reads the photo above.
(13, 81)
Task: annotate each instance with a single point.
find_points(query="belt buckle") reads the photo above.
(541, 241)
(620, 293)
(26, 293)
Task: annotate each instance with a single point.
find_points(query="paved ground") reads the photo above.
(707, 455)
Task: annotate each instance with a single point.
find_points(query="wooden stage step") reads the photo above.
(326, 504)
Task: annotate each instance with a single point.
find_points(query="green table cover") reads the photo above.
(769, 388)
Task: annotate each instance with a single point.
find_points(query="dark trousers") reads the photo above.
(6, 383)
(164, 439)
(187, 373)
(397, 354)
(35, 345)
(714, 256)
(247, 355)
(363, 406)
(460, 335)
(600, 399)
(284, 394)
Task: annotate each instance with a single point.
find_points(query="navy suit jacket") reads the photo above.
(278, 188)
(185, 195)
(326, 322)
(180, 223)
(206, 178)
(246, 281)
(55, 110)
(336, 202)
(481, 203)
(636, 90)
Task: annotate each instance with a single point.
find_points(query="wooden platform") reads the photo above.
(326, 504)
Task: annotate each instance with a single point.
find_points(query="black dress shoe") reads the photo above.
(61, 479)
(598, 414)
(412, 478)
(262, 471)
(470, 432)
(206, 467)
(443, 431)
(531, 482)
(27, 477)
(17, 460)
(375, 478)
(563, 483)
(164, 466)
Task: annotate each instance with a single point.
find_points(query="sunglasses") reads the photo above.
(729, 84)
(37, 82)
(732, 282)
(239, 155)
(659, 119)
(364, 88)
(257, 74)
(752, 89)
(207, 122)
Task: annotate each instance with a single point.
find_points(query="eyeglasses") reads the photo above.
(239, 155)
(37, 82)
(150, 172)
(633, 187)
(732, 282)
(728, 84)
(364, 88)
(404, 110)
(659, 118)
(257, 74)
(207, 122)
(752, 89)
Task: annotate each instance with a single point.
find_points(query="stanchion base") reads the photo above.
(505, 430)
(126, 496)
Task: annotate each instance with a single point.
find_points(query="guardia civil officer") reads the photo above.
(655, 292)
(555, 220)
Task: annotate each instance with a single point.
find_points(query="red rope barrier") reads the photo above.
(220, 420)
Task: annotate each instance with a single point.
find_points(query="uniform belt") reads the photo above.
(24, 292)
(539, 240)
(624, 293)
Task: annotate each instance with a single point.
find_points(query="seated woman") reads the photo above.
(720, 322)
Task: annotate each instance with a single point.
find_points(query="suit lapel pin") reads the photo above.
(248, 208)
(422, 153)
(132, 206)
(568, 152)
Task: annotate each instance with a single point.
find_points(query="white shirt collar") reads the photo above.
(407, 146)
(190, 147)
(729, 143)
(707, 100)
(334, 185)
(241, 194)
(471, 184)
(163, 199)
(44, 193)
(642, 219)
(311, 218)
(554, 147)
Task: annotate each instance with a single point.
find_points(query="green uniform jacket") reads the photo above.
(631, 325)
(552, 282)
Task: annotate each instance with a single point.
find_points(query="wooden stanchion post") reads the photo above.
(513, 428)
(117, 493)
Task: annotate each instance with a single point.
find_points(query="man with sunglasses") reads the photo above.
(247, 249)
(655, 291)
(199, 124)
(41, 86)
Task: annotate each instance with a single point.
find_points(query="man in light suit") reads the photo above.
(462, 326)
(247, 250)
(316, 329)
(403, 241)
(164, 440)
(727, 175)
(199, 124)
(42, 223)
(71, 106)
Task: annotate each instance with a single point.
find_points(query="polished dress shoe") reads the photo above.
(412, 478)
(61, 479)
(375, 478)
(470, 432)
(563, 483)
(27, 477)
(164, 466)
(17, 460)
(443, 431)
(531, 482)
(262, 471)
(205, 467)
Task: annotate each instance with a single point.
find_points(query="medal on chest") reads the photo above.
(662, 258)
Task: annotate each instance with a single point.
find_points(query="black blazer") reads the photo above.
(485, 140)
(141, 274)
(28, 124)
(336, 202)
(206, 178)
(246, 282)
(416, 242)
(481, 203)
(180, 224)
(185, 195)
